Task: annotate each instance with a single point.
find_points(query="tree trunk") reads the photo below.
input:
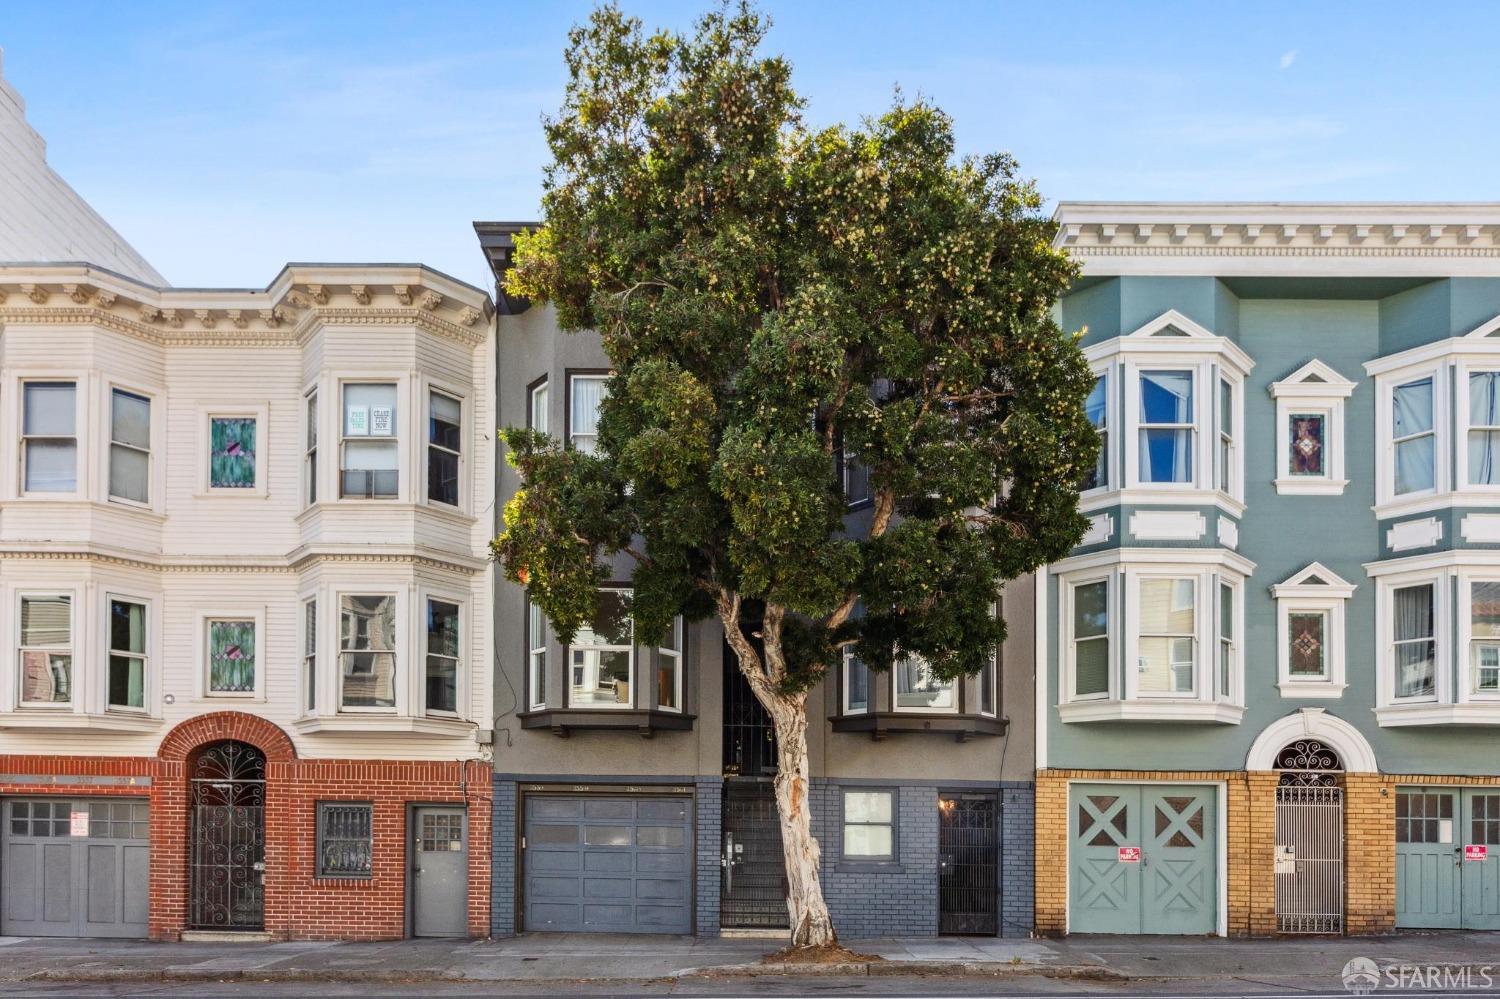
(808, 913)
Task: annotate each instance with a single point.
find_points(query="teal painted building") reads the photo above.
(1289, 595)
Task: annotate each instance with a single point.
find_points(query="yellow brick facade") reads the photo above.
(1250, 808)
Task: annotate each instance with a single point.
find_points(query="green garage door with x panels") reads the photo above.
(608, 863)
(1142, 858)
(54, 883)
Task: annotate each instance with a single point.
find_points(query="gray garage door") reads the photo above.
(92, 884)
(608, 864)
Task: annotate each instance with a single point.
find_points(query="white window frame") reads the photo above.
(206, 416)
(1067, 606)
(664, 652)
(1125, 568)
(146, 657)
(1441, 582)
(893, 823)
(312, 440)
(465, 437)
(1234, 643)
(153, 439)
(953, 686)
(1467, 689)
(1387, 501)
(1155, 347)
(200, 650)
(633, 674)
(1315, 389)
(539, 392)
(845, 707)
(992, 670)
(1109, 448)
(311, 646)
(75, 701)
(537, 639)
(1299, 595)
(460, 670)
(401, 437)
(401, 676)
(80, 409)
(573, 380)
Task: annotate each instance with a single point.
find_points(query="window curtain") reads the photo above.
(1484, 441)
(1412, 415)
(1166, 452)
(1091, 639)
(587, 393)
(1415, 647)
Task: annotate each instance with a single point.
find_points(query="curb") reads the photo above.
(966, 969)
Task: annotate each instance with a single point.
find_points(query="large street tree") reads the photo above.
(776, 300)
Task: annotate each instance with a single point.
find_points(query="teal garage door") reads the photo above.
(1142, 859)
(1448, 858)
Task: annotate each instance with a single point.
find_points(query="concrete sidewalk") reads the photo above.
(575, 958)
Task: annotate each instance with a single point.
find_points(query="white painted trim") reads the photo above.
(1040, 670)
(1354, 749)
(1101, 529)
(202, 616)
(1488, 328)
(1409, 534)
(1481, 528)
(1175, 320)
(1163, 710)
(1228, 533)
(1168, 525)
(1385, 686)
(1233, 561)
(1298, 583)
(1295, 395)
(1472, 713)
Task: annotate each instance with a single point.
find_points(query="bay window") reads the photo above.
(1439, 622)
(917, 689)
(1484, 638)
(126, 682)
(367, 652)
(310, 652)
(1167, 648)
(1090, 639)
(1484, 429)
(1414, 640)
(46, 649)
(585, 395)
(369, 451)
(1096, 408)
(444, 446)
(49, 441)
(601, 658)
(669, 669)
(1413, 437)
(1228, 648)
(1224, 472)
(1166, 426)
(856, 685)
(536, 644)
(129, 446)
(310, 449)
(440, 680)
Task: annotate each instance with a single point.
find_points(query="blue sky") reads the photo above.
(226, 139)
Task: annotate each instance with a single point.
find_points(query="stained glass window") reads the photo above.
(231, 452)
(231, 657)
(1308, 444)
(1307, 643)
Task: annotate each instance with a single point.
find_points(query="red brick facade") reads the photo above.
(298, 904)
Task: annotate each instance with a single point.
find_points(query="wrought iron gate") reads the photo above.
(749, 735)
(228, 847)
(752, 884)
(1309, 840)
(968, 864)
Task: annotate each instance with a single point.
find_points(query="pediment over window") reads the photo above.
(1314, 379)
(1313, 580)
(1172, 324)
(1490, 328)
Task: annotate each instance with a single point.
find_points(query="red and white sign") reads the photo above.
(78, 824)
(1476, 851)
(1130, 855)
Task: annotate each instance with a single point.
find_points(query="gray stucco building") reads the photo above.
(632, 784)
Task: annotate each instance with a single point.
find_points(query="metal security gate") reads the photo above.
(228, 847)
(968, 865)
(752, 888)
(1309, 840)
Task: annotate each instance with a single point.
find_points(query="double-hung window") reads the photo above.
(1090, 639)
(1484, 428)
(856, 685)
(536, 407)
(601, 659)
(129, 446)
(49, 440)
(441, 681)
(587, 394)
(369, 449)
(367, 651)
(126, 684)
(1228, 647)
(444, 445)
(1167, 433)
(669, 669)
(1484, 638)
(1414, 641)
(1414, 437)
(1096, 407)
(1168, 636)
(310, 450)
(536, 643)
(46, 652)
(310, 652)
(918, 689)
(869, 827)
(1225, 466)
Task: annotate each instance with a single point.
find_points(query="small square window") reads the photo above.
(869, 830)
(345, 840)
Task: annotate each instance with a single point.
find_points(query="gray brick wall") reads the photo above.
(503, 869)
(708, 808)
(1017, 859)
(881, 899)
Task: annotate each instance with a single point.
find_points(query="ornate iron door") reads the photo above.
(228, 790)
(968, 868)
(753, 870)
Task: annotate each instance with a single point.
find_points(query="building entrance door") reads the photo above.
(1448, 858)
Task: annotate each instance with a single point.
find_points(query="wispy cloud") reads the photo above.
(1287, 58)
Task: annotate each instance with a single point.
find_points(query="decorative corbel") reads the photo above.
(1107, 231)
(1435, 232)
(403, 293)
(271, 317)
(1143, 232)
(1361, 233)
(361, 293)
(1180, 231)
(205, 318)
(318, 293)
(430, 300)
(1471, 232)
(79, 293)
(173, 316)
(150, 314)
(469, 316)
(36, 293)
(1252, 232)
(1398, 232)
(237, 317)
(1216, 231)
(106, 299)
(3, 295)
(1289, 232)
(1325, 232)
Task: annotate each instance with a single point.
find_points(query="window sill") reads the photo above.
(389, 502)
(1471, 713)
(1159, 494)
(384, 724)
(883, 723)
(74, 721)
(1210, 712)
(1310, 487)
(1305, 690)
(564, 721)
